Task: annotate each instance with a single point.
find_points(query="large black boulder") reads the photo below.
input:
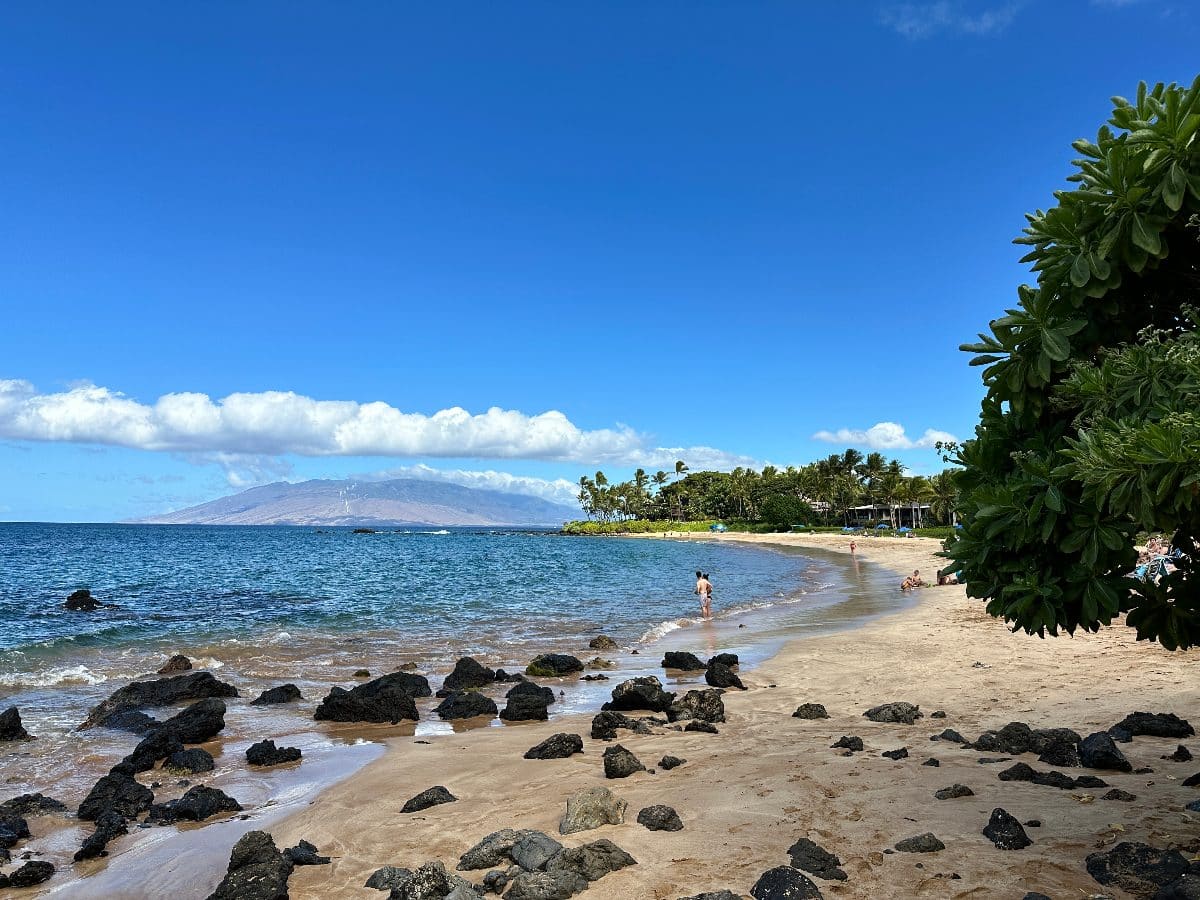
(784, 883)
(725, 659)
(527, 702)
(32, 805)
(810, 711)
(257, 870)
(157, 693)
(1005, 831)
(11, 728)
(721, 676)
(284, 693)
(705, 705)
(200, 722)
(108, 827)
(682, 660)
(468, 673)
(156, 745)
(591, 861)
(199, 803)
(660, 818)
(620, 763)
(466, 705)
(12, 829)
(1097, 751)
(641, 693)
(385, 699)
(189, 762)
(1166, 725)
(265, 753)
(557, 746)
(553, 665)
(32, 873)
(1137, 868)
(116, 793)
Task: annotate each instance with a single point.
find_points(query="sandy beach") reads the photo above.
(767, 779)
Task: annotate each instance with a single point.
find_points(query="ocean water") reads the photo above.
(260, 606)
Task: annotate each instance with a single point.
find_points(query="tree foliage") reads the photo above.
(1088, 433)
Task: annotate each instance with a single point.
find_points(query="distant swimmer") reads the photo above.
(704, 592)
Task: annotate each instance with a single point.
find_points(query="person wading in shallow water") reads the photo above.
(704, 592)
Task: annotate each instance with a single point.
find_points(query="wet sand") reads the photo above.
(746, 794)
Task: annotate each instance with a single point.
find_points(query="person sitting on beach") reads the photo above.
(912, 581)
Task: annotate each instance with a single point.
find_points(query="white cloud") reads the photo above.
(242, 430)
(921, 20)
(883, 436)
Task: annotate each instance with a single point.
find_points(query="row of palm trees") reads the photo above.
(830, 487)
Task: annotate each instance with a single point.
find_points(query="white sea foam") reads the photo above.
(662, 629)
(52, 677)
(281, 638)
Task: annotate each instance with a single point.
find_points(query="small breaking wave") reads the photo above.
(52, 677)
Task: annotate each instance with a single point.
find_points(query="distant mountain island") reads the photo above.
(402, 501)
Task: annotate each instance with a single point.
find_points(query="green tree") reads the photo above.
(785, 510)
(1088, 431)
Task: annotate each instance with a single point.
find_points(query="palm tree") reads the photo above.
(680, 468)
(943, 495)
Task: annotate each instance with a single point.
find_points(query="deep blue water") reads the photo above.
(240, 590)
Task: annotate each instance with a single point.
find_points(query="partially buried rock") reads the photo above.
(32, 805)
(116, 793)
(949, 734)
(198, 804)
(932, 762)
(660, 818)
(606, 722)
(670, 762)
(265, 753)
(305, 854)
(434, 796)
(682, 660)
(816, 860)
(905, 713)
(557, 746)
(284, 693)
(387, 878)
(641, 693)
(900, 753)
(157, 693)
(553, 665)
(715, 895)
(1181, 754)
(848, 742)
(388, 698)
(11, 728)
(620, 763)
(591, 808)
(189, 762)
(493, 850)
(468, 673)
(810, 711)
(1140, 869)
(1005, 831)
(697, 725)
(257, 870)
(34, 872)
(1097, 751)
(176, 664)
(1167, 725)
(954, 792)
(82, 601)
(705, 705)
(591, 861)
(546, 886)
(784, 883)
(602, 642)
(1118, 794)
(721, 676)
(108, 827)
(922, 843)
(466, 705)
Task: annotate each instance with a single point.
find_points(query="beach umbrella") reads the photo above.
(883, 525)
(903, 529)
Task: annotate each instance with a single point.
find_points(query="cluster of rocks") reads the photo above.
(259, 870)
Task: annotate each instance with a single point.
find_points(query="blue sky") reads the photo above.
(639, 229)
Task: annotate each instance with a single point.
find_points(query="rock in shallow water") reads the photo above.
(32, 805)
(553, 665)
(108, 827)
(34, 872)
(265, 753)
(527, 702)
(157, 693)
(189, 762)
(115, 793)
(199, 803)
(468, 674)
(602, 642)
(176, 664)
(284, 693)
(11, 728)
(386, 699)
(257, 870)
(12, 829)
(641, 693)
(682, 660)
(722, 676)
(466, 705)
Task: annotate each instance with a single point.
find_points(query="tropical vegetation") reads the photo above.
(1090, 429)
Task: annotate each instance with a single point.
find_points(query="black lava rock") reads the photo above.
(156, 694)
(721, 676)
(1181, 754)
(1005, 831)
(466, 705)
(189, 762)
(901, 753)
(305, 854)
(82, 601)
(606, 722)
(468, 674)
(922, 843)
(784, 883)
(953, 792)
(1097, 751)
(670, 762)
(284, 693)
(527, 702)
(553, 665)
(1166, 725)
(385, 699)
(816, 860)
(810, 711)
(725, 659)
(34, 872)
(434, 796)
(11, 728)
(12, 829)
(697, 725)
(901, 712)
(660, 818)
(705, 705)
(32, 805)
(848, 742)
(199, 803)
(1137, 868)
(557, 746)
(686, 662)
(265, 753)
(620, 763)
(108, 827)
(257, 870)
(116, 793)
(641, 693)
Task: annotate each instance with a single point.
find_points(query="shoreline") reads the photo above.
(746, 794)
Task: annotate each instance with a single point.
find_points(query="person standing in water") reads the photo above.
(704, 592)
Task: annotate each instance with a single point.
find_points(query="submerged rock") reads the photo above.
(82, 601)
(284, 693)
(557, 746)
(189, 762)
(155, 694)
(434, 796)
(12, 829)
(34, 872)
(591, 808)
(602, 642)
(11, 728)
(388, 698)
(265, 753)
(257, 870)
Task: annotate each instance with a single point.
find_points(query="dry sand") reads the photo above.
(746, 794)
